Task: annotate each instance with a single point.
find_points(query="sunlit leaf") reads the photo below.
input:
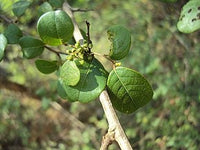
(31, 47)
(3, 43)
(189, 20)
(121, 41)
(46, 66)
(128, 89)
(55, 27)
(92, 82)
(69, 73)
(13, 34)
(20, 7)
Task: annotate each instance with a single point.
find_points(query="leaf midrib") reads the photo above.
(124, 87)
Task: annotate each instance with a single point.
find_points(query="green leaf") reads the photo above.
(128, 89)
(169, 1)
(45, 7)
(121, 41)
(61, 90)
(31, 47)
(20, 7)
(56, 3)
(55, 27)
(70, 73)
(92, 82)
(13, 34)
(46, 66)
(3, 43)
(189, 20)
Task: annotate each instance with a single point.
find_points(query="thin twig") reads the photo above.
(80, 10)
(6, 19)
(113, 121)
(56, 52)
(89, 42)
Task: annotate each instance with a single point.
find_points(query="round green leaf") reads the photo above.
(92, 82)
(128, 89)
(189, 20)
(46, 66)
(20, 7)
(31, 47)
(121, 41)
(13, 34)
(3, 43)
(69, 73)
(55, 27)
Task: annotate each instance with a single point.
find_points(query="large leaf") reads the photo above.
(121, 41)
(128, 89)
(92, 82)
(20, 7)
(31, 47)
(189, 20)
(55, 27)
(45, 7)
(61, 90)
(46, 66)
(13, 34)
(69, 73)
(3, 43)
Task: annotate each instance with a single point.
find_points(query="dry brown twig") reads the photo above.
(115, 130)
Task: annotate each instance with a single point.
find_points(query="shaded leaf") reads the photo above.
(56, 3)
(121, 41)
(46, 66)
(92, 82)
(20, 7)
(189, 20)
(3, 43)
(31, 47)
(128, 89)
(169, 1)
(61, 90)
(13, 34)
(45, 7)
(55, 27)
(69, 73)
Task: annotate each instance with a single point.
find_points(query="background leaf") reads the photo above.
(56, 3)
(55, 27)
(189, 20)
(69, 73)
(13, 34)
(128, 89)
(46, 66)
(92, 82)
(45, 7)
(3, 43)
(31, 47)
(121, 41)
(20, 7)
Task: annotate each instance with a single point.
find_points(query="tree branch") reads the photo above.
(115, 131)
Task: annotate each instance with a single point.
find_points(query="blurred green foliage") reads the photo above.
(168, 58)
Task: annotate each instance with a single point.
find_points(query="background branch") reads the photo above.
(115, 131)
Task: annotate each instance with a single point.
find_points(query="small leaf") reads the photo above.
(45, 7)
(128, 89)
(92, 82)
(20, 7)
(31, 47)
(3, 43)
(121, 41)
(13, 34)
(55, 27)
(69, 73)
(189, 20)
(46, 66)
